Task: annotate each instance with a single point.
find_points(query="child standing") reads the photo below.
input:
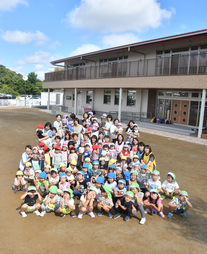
(47, 156)
(73, 155)
(57, 157)
(112, 152)
(64, 153)
(30, 198)
(179, 205)
(42, 154)
(35, 158)
(105, 153)
(154, 203)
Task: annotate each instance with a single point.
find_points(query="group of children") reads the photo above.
(102, 175)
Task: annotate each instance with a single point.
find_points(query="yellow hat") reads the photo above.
(123, 158)
(19, 173)
(28, 164)
(112, 161)
(101, 159)
(87, 159)
(73, 162)
(69, 169)
(62, 165)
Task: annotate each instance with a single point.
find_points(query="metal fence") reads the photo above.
(188, 64)
(19, 103)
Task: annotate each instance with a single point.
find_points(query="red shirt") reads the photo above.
(125, 152)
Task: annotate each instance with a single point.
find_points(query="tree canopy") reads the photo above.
(12, 82)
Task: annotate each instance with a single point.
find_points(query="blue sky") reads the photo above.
(35, 32)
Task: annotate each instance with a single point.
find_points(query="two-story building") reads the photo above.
(163, 78)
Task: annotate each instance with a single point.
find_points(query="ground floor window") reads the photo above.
(131, 97)
(107, 96)
(116, 97)
(89, 97)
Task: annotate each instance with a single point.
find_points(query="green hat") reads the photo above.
(184, 193)
(134, 172)
(156, 172)
(134, 185)
(30, 188)
(154, 190)
(53, 189)
(108, 190)
(129, 193)
(172, 175)
(69, 191)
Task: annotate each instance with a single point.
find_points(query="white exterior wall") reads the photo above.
(44, 98)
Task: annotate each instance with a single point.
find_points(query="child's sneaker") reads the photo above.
(72, 214)
(109, 215)
(24, 189)
(80, 216)
(23, 214)
(61, 215)
(162, 215)
(37, 213)
(162, 197)
(116, 216)
(126, 218)
(100, 213)
(15, 191)
(42, 213)
(142, 221)
(91, 214)
(184, 215)
(170, 215)
(147, 211)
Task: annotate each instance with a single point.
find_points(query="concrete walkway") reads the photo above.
(167, 134)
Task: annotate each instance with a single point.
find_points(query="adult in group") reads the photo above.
(107, 126)
(129, 131)
(77, 128)
(48, 132)
(58, 125)
(119, 146)
(135, 143)
(148, 158)
(112, 130)
(25, 157)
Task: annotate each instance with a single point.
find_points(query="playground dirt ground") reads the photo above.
(53, 234)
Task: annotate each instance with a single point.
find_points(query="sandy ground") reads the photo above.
(53, 234)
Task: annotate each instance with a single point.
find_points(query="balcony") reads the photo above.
(189, 64)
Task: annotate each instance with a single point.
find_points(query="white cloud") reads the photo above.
(113, 40)
(85, 48)
(40, 75)
(23, 38)
(54, 45)
(38, 57)
(6, 5)
(118, 16)
(38, 67)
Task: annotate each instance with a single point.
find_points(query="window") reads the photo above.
(89, 97)
(195, 95)
(116, 97)
(131, 98)
(107, 96)
(181, 94)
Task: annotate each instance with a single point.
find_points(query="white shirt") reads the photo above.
(111, 185)
(170, 186)
(104, 152)
(153, 185)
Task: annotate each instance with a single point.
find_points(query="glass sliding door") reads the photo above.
(193, 113)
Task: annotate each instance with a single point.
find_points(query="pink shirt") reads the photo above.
(158, 201)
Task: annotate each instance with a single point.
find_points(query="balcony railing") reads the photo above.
(189, 64)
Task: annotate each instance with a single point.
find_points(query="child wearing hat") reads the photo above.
(29, 172)
(54, 177)
(42, 184)
(135, 131)
(120, 190)
(143, 178)
(30, 205)
(57, 157)
(66, 204)
(124, 206)
(70, 176)
(153, 183)
(105, 202)
(51, 201)
(47, 161)
(138, 202)
(170, 187)
(154, 203)
(179, 205)
(63, 184)
(95, 171)
(80, 185)
(88, 174)
(19, 182)
(35, 156)
(111, 180)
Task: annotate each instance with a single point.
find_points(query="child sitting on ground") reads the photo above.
(66, 204)
(170, 187)
(51, 201)
(80, 185)
(30, 204)
(153, 183)
(19, 182)
(111, 180)
(179, 205)
(143, 178)
(124, 205)
(42, 184)
(120, 190)
(54, 177)
(105, 202)
(63, 184)
(70, 176)
(154, 203)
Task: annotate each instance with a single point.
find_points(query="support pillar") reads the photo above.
(140, 107)
(120, 100)
(48, 99)
(202, 113)
(75, 102)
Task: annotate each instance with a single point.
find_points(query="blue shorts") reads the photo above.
(178, 211)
